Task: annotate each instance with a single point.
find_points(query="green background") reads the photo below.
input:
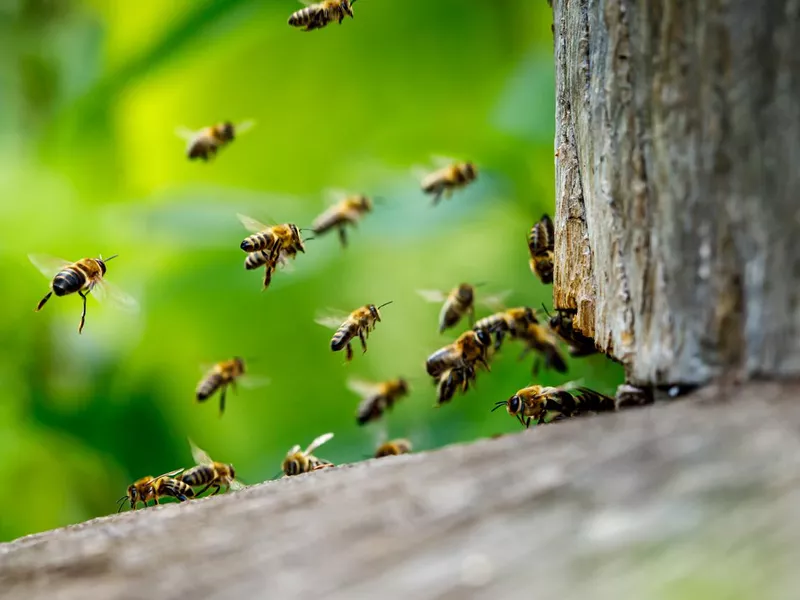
(90, 95)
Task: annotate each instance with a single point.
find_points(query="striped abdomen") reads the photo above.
(590, 401)
(541, 238)
(255, 260)
(199, 475)
(345, 333)
(311, 17)
(72, 279)
(329, 219)
(441, 360)
(175, 488)
(452, 311)
(209, 385)
(263, 240)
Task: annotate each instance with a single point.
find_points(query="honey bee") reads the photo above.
(377, 397)
(222, 375)
(540, 245)
(539, 402)
(539, 339)
(453, 380)
(153, 488)
(297, 462)
(270, 246)
(83, 277)
(209, 473)
(470, 347)
(359, 323)
(206, 142)
(448, 178)
(459, 302)
(562, 324)
(347, 211)
(512, 321)
(320, 14)
(393, 448)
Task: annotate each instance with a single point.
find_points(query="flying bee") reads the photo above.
(512, 321)
(448, 178)
(453, 380)
(470, 347)
(153, 488)
(206, 142)
(459, 302)
(223, 374)
(539, 339)
(394, 448)
(539, 402)
(358, 323)
(562, 324)
(377, 398)
(297, 462)
(83, 276)
(347, 211)
(320, 14)
(270, 246)
(209, 473)
(540, 245)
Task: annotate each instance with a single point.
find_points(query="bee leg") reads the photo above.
(437, 195)
(223, 391)
(349, 352)
(343, 236)
(154, 500)
(200, 493)
(363, 339)
(528, 423)
(216, 490)
(83, 313)
(43, 300)
(267, 276)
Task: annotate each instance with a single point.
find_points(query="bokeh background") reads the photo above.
(90, 95)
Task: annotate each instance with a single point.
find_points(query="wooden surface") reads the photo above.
(677, 187)
(695, 499)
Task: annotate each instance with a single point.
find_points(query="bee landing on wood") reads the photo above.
(539, 402)
(297, 462)
(209, 473)
(394, 448)
(153, 488)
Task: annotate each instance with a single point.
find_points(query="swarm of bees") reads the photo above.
(453, 368)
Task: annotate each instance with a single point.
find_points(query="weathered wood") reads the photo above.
(677, 185)
(695, 499)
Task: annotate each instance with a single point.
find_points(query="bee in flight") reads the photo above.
(357, 324)
(394, 448)
(83, 277)
(297, 462)
(457, 303)
(540, 245)
(539, 339)
(318, 14)
(269, 246)
(471, 347)
(206, 142)
(512, 321)
(453, 380)
(153, 488)
(209, 473)
(562, 324)
(377, 398)
(223, 374)
(448, 178)
(539, 402)
(347, 212)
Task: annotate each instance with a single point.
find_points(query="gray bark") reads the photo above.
(688, 500)
(677, 184)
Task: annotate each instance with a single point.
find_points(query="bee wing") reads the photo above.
(49, 266)
(442, 161)
(433, 295)
(334, 195)
(185, 133)
(170, 474)
(331, 318)
(284, 263)
(253, 381)
(237, 486)
(293, 450)
(496, 301)
(244, 126)
(318, 442)
(251, 224)
(199, 455)
(105, 291)
(365, 389)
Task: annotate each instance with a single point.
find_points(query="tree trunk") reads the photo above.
(678, 184)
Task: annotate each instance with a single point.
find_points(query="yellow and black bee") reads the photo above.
(452, 380)
(357, 324)
(81, 277)
(469, 348)
(319, 14)
(562, 324)
(511, 322)
(539, 339)
(206, 143)
(541, 241)
(297, 462)
(394, 448)
(539, 402)
(457, 304)
(346, 212)
(209, 473)
(449, 178)
(377, 398)
(153, 488)
(222, 375)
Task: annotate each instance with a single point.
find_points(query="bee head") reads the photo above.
(347, 5)
(227, 131)
(402, 385)
(133, 496)
(365, 203)
(231, 472)
(470, 171)
(374, 311)
(483, 337)
(465, 293)
(239, 363)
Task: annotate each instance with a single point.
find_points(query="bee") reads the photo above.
(153, 488)
(358, 323)
(453, 380)
(206, 142)
(512, 321)
(470, 347)
(540, 245)
(83, 277)
(446, 179)
(297, 462)
(347, 211)
(270, 246)
(209, 473)
(539, 402)
(270, 262)
(562, 324)
(393, 448)
(222, 375)
(458, 303)
(539, 339)
(320, 14)
(377, 397)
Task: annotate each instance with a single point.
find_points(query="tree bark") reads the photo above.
(677, 184)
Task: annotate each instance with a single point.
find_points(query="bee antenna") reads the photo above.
(499, 404)
(308, 239)
(121, 503)
(481, 284)
(547, 312)
(385, 304)
(109, 258)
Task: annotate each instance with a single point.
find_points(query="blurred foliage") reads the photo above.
(91, 92)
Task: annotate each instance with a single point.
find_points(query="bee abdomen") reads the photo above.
(177, 489)
(302, 17)
(255, 260)
(342, 336)
(208, 386)
(198, 475)
(257, 241)
(68, 281)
